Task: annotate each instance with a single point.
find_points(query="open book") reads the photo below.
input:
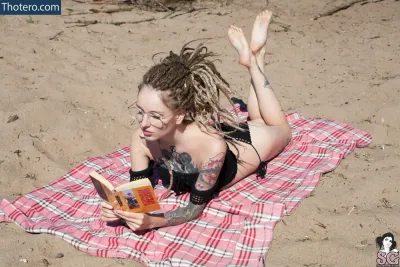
(135, 196)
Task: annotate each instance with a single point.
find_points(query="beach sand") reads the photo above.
(72, 95)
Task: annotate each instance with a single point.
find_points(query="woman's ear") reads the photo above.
(180, 116)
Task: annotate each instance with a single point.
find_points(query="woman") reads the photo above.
(176, 101)
(386, 243)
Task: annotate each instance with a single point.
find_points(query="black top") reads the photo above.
(185, 182)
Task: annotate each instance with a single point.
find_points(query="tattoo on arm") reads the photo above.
(209, 172)
(185, 214)
(266, 82)
(208, 176)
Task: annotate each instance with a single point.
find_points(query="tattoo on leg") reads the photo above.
(260, 69)
(266, 82)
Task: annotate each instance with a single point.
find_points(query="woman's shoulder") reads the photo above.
(203, 136)
(204, 143)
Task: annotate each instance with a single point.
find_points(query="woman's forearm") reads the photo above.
(177, 216)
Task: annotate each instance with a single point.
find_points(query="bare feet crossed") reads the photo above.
(239, 42)
(258, 38)
(260, 31)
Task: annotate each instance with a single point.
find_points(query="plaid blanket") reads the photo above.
(235, 228)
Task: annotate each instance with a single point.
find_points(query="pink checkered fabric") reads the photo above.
(236, 227)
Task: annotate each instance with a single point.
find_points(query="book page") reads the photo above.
(102, 180)
(134, 184)
(103, 191)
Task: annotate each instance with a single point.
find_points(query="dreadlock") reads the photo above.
(193, 84)
(190, 82)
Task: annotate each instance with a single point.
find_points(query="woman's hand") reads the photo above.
(136, 221)
(107, 212)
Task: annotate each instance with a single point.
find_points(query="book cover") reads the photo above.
(135, 196)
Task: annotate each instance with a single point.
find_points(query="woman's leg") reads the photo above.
(252, 102)
(269, 107)
(258, 42)
(269, 129)
(274, 133)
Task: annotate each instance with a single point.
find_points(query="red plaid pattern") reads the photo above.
(236, 227)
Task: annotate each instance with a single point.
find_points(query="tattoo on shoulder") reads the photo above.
(180, 162)
(208, 176)
(209, 172)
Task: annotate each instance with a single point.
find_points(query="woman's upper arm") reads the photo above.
(204, 187)
(207, 181)
(210, 169)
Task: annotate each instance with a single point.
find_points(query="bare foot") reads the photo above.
(238, 41)
(260, 31)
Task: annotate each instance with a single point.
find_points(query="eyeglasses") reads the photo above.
(155, 119)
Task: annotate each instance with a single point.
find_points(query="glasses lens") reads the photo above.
(156, 121)
(139, 116)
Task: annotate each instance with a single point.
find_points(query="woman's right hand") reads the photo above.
(107, 212)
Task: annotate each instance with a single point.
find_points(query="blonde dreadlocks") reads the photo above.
(193, 85)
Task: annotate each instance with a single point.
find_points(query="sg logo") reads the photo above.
(391, 258)
(387, 255)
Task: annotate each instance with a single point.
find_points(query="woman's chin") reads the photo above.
(150, 138)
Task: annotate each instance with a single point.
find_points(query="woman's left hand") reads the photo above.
(135, 221)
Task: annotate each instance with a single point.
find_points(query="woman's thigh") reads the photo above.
(267, 140)
(249, 161)
(245, 153)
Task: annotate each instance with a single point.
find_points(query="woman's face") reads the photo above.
(387, 242)
(155, 119)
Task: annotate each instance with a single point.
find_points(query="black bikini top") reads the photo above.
(185, 182)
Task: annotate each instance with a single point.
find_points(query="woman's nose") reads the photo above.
(146, 121)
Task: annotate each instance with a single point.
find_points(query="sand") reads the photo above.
(72, 96)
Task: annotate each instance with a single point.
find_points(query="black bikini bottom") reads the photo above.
(230, 166)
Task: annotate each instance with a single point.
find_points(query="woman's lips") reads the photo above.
(147, 133)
